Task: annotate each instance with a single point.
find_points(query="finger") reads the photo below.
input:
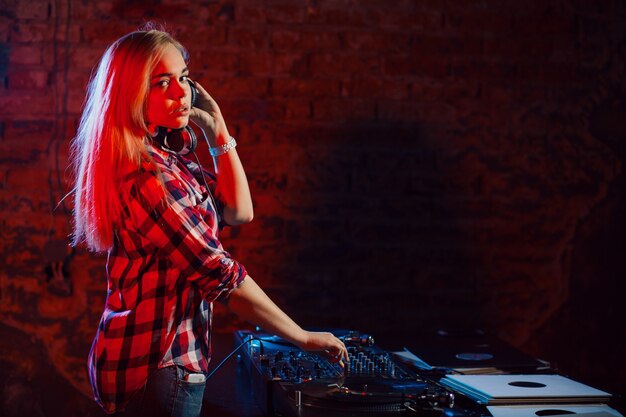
(344, 359)
(201, 89)
(194, 112)
(197, 84)
(339, 353)
(343, 351)
(197, 113)
(344, 356)
(338, 359)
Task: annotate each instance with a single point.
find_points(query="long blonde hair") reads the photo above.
(111, 138)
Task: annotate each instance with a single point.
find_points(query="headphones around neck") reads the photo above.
(182, 141)
(178, 141)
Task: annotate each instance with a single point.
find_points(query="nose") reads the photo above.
(179, 89)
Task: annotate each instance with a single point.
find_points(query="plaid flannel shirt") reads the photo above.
(166, 267)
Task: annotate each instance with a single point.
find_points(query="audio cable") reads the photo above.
(248, 340)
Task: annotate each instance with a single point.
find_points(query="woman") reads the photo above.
(158, 216)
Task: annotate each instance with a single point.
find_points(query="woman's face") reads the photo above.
(169, 98)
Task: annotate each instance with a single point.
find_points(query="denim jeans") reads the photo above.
(167, 394)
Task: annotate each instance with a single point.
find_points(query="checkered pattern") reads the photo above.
(166, 267)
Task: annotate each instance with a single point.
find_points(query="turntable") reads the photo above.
(364, 395)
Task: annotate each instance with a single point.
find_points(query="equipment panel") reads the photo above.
(290, 382)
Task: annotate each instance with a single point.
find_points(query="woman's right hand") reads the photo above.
(328, 343)
(207, 115)
(251, 303)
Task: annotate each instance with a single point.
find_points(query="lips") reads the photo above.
(181, 111)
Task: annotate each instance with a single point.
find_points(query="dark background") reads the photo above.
(415, 165)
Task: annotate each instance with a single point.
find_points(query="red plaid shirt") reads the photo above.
(166, 267)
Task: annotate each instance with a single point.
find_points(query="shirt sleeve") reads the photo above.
(179, 232)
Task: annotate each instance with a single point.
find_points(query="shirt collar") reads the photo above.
(161, 156)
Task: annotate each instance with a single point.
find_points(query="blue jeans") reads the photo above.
(167, 393)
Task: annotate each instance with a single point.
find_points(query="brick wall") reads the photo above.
(414, 165)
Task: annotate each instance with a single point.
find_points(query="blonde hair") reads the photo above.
(111, 139)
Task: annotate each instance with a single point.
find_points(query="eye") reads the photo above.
(184, 78)
(162, 83)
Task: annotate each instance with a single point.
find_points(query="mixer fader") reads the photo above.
(371, 362)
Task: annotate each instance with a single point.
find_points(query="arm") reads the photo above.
(251, 303)
(232, 184)
(178, 230)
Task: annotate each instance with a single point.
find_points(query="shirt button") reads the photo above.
(226, 261)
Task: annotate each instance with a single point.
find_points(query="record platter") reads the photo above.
(365, 395)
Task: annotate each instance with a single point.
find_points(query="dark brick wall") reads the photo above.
(414, 165)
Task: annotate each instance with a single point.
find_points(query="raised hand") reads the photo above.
(207, 115)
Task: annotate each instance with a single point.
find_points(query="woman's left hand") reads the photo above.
(207, 115)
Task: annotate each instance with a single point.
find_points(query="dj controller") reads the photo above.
(288, 381)
(488, 377)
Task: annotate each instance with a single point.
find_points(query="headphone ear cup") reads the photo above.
(178, 141)
(194, 92)
(192, 141)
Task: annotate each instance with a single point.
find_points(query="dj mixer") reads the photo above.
(288, 381)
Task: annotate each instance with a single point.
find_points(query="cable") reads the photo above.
(208, 190)
(250, 339)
